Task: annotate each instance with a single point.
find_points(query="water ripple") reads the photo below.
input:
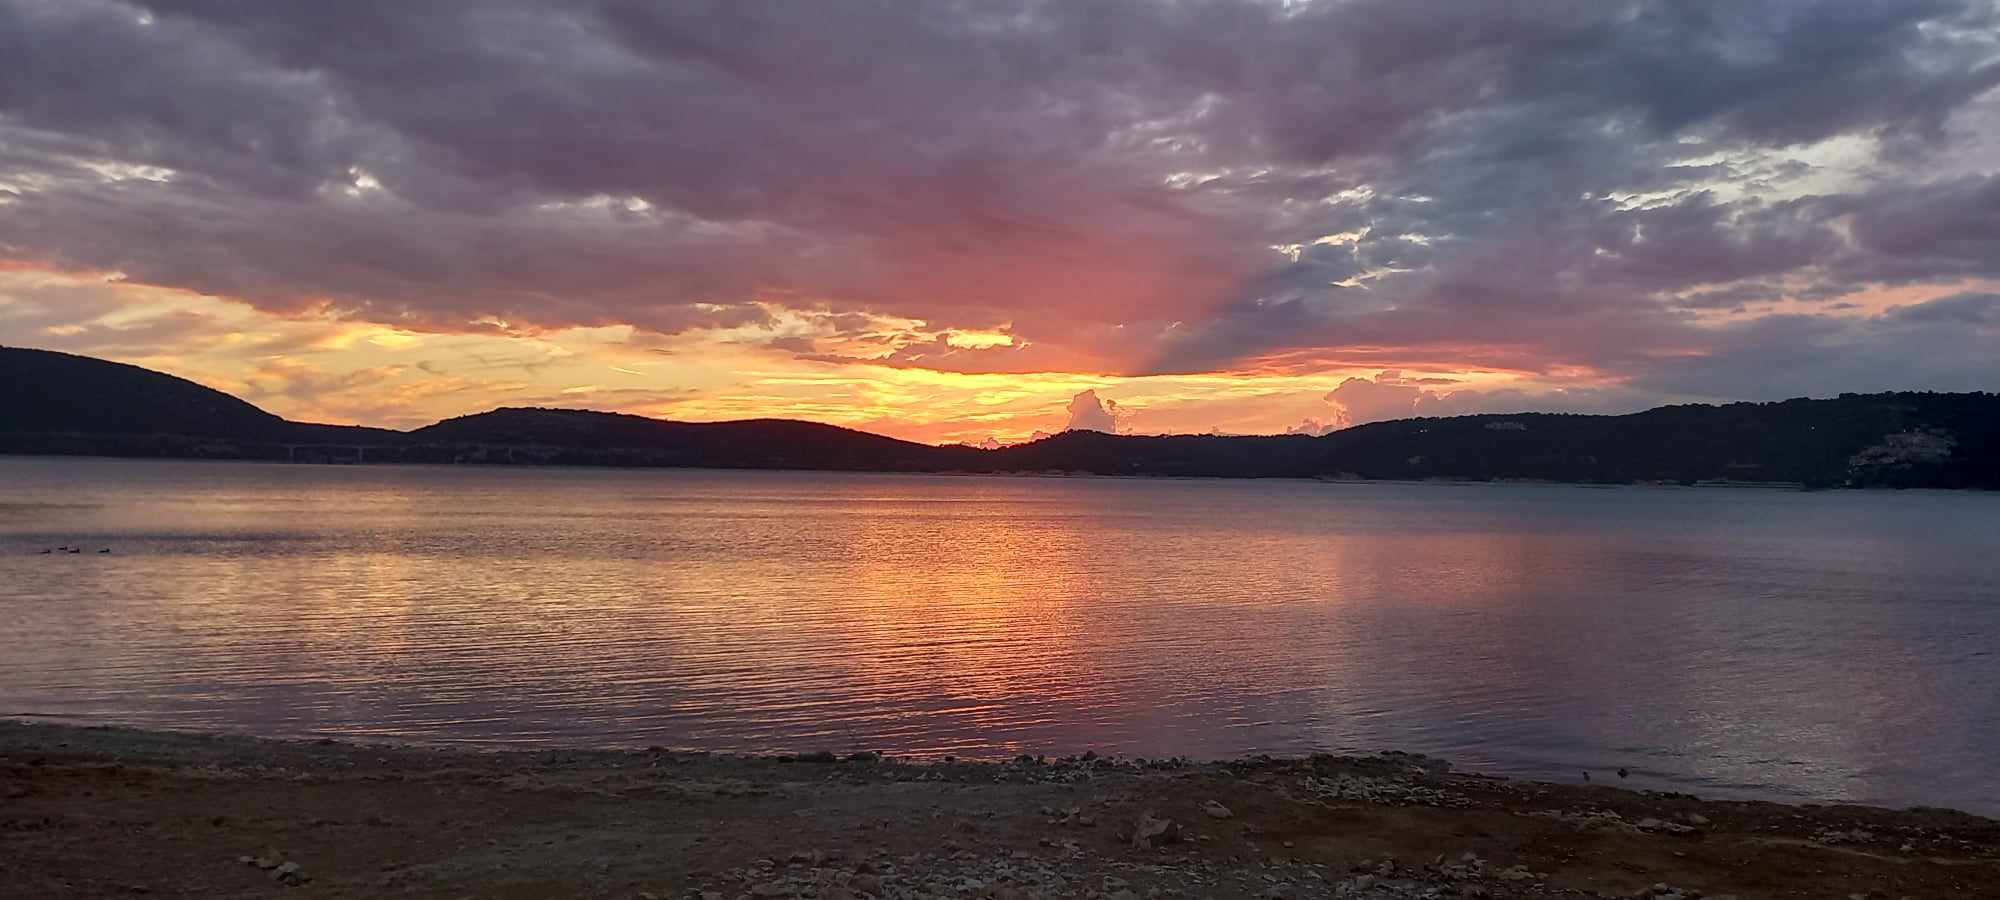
(1732, 643)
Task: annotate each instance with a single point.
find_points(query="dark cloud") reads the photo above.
(1948, 344)
(1132, 186)
(1969, 310)
(1905, 233)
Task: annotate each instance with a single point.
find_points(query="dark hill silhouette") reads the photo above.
(41, 390)
(1895, 439)
(58, 403)
(1261, 456)
(62, 403)
(584, 436)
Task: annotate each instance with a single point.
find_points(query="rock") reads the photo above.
(1149, 832)
(867, 884)
(1216, 810)
(288, 873)
(1697, 819)
(772, 889)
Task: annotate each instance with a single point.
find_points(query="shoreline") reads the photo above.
(1738, 793)
(112, 811)
(1051, 475)
(1789, 487)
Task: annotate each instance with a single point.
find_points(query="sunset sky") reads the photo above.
(954, 221)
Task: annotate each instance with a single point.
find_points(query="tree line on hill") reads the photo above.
(55, 403)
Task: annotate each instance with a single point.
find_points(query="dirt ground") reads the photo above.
(100, 812)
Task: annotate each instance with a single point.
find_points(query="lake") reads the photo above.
(1730, 643)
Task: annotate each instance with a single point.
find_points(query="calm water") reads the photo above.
(1731, 643)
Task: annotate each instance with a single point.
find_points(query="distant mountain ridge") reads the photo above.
(57, 403)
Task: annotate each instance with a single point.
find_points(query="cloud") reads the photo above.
(1950, 343)
(1364, 400)
(1133, 187)
(1389, 395)
(1089, 413)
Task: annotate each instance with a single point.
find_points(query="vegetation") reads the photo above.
(57, 403)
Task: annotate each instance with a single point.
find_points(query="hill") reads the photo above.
(61, 403)
(584, 437)
(1859, 440)
(58, 403)
(45, 391)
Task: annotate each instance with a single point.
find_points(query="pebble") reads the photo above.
(1216, 810)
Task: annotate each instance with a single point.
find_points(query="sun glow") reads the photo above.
(318, 366)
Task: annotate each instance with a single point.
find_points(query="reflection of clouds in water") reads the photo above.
(1715, 638)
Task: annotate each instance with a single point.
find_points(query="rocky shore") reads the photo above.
(102, 812)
